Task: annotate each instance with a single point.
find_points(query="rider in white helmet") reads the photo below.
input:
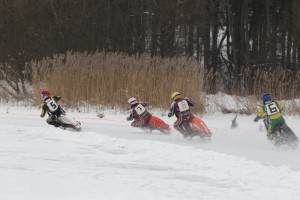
(138, 113)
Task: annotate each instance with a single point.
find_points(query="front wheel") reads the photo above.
(159, 124)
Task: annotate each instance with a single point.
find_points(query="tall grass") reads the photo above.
(281, 82)
(111, 79)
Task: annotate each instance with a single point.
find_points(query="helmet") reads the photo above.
(45, 94)
(132, 101)
(266, 97)
(176, 95)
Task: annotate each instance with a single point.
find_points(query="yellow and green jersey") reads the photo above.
(272, 109)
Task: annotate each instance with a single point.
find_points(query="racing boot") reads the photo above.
(182, 131)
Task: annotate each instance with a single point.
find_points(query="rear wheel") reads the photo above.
(288, 136)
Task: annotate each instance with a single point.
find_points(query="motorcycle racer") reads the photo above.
(51, 106)
(181, 108)
(272, 109)
(138, 113)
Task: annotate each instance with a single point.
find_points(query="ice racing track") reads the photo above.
(111, 160)
(244, 141)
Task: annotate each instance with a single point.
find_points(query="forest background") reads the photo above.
(102, 52)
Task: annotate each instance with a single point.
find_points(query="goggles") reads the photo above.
(44, 96)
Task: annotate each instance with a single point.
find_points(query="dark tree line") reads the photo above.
(227, 36)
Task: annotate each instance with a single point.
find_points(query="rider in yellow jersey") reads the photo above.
(273, 110)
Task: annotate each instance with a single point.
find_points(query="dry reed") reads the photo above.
(281, 82)
(111, 79)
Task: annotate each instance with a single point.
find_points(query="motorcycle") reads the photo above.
(283, 134)
(66, 122)
(156, 123)
(197, 128)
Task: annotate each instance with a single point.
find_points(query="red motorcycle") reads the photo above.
(197, 127)
(156, 123)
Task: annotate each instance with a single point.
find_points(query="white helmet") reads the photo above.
(132, 101)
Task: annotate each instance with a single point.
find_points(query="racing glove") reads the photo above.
(129, 118)
(256, 118)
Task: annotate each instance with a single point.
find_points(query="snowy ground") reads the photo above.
(109, 160)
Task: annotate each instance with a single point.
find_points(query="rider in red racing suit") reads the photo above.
(181, 108)
(138, 113)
